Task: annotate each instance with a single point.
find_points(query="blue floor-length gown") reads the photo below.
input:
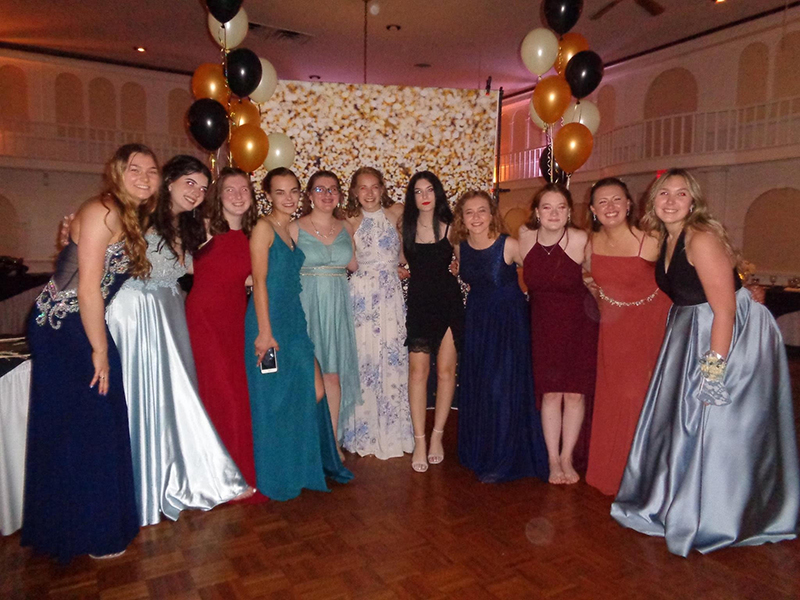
(293, 438)
(499, 429)
(79, 494)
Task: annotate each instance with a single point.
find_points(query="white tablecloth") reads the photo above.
(14, 393)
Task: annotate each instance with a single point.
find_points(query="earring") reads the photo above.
(691, 209)
(569, 219)
(312, 204)
(628, 213)
(594, 217)
(537, 221)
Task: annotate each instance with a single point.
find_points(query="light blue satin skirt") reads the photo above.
(707, 477)
(179, 461)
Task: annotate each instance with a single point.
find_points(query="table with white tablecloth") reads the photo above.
(14, 394)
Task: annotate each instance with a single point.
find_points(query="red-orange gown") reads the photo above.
(627, 350)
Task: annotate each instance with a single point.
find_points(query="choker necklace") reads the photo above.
(318, 232)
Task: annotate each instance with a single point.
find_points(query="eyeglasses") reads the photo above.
(333, 191)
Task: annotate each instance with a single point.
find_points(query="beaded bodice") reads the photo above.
(166, 267)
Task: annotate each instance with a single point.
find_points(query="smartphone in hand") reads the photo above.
(269, 364)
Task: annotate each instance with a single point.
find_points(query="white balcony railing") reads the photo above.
(83, 145)
(758, 127)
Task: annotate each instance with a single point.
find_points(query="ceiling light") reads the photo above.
(315, 77)
(140, 48)
(422, 65)
(393, 27)
(718, 1)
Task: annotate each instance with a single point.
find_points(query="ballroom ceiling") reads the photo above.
(462, 41)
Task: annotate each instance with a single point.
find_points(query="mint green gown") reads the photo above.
(293, 439)
(329, 313)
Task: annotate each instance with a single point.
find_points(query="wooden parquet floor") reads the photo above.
(395, 534)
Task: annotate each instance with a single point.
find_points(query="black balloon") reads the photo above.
(244, 71)
(223, 10)
(561, 15)
(544, 166)
(583, 73)
(208, 123)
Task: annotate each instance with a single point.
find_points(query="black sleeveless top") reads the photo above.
(680, 282)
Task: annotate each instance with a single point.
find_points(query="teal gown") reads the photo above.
(293, 439)
(329, 313)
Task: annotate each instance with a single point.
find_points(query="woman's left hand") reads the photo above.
(101, 369)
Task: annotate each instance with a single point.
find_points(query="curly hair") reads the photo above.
(630, 216)
(352, 207)
(699, 218)
(305, 200)
(129, 208)
(213, 209)
(441, 210)
(459, 231)
(533, 222)
(187, 230)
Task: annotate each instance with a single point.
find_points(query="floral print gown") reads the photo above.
(382, 423)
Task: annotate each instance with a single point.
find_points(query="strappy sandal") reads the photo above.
(436, 459)
(419, 467)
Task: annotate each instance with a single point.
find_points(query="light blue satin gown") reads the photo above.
(179, 461)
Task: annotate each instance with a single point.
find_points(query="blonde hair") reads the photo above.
(699, 218)
(131, 212)
(352, 208)
(459, 232)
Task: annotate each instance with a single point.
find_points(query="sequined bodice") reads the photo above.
(166, 267)
(377, 243)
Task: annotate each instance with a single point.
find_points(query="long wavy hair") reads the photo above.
(441, 210)
(699, 218)
(185, 231)
(352, 207)
(213, 209)
(130, 209)
(305, 200)
(533, 222)
(459, 231)
(630, 215)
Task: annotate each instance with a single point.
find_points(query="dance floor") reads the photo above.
(392, 533)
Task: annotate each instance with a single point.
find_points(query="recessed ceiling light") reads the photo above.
(422, 65)
(718, 1)
(393, 27)
(140, 48)
(313, 77)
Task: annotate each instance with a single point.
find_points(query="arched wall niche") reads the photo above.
(13, 94)
(178, 102)
(102, 104)
(607, 105)
(751, 84)
(673, 92)
(69, 99)
(771, 227)
(786, 82)
(133, 107)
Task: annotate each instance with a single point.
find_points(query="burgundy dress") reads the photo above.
(215, 311)
(564, 325)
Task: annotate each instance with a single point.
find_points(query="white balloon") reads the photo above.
(585, 113)
(232, 33)
(281, 151)
(269, 81)
(536, 118)
(539, 50)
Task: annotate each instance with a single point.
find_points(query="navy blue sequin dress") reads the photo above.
(79, 496)
(499, 429)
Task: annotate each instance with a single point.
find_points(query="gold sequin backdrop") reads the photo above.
(396, 129)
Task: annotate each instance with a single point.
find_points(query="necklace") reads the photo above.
(318, 232)
(277, 222)
(549, 249)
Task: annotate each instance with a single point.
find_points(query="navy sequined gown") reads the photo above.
(499, 429)
(79, 496)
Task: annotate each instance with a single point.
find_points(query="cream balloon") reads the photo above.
(281, 151)
(536, 118)
(585, 113)
(269, 81)
(539, 50)
(232, 33)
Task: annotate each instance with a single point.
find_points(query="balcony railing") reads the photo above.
(758, 127)
(83, 145)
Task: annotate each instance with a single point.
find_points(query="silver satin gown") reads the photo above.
(179, 461)
(708, 477)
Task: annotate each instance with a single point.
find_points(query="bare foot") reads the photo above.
(418, 461)
(248, 493)
(556, 473)
(340, 452)
(436, 452)
(570, 474)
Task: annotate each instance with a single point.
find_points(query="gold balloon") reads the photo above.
(209, 81)
(551, 98)
(243, 111)
(249, 147)
(569, 46)
(572, 146)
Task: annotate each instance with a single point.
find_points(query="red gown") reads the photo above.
(630, 339)
(215, 310)
(563, 332)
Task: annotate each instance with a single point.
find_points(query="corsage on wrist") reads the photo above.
(712, 391)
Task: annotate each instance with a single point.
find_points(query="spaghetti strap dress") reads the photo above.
(707, 477)
(499, 429)
(434, 298)
(326, 302)
(564, 330)
(633, 315)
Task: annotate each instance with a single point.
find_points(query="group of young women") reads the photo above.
(141, 405)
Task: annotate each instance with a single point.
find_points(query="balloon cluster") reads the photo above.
(226, 93)
(578, 73)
